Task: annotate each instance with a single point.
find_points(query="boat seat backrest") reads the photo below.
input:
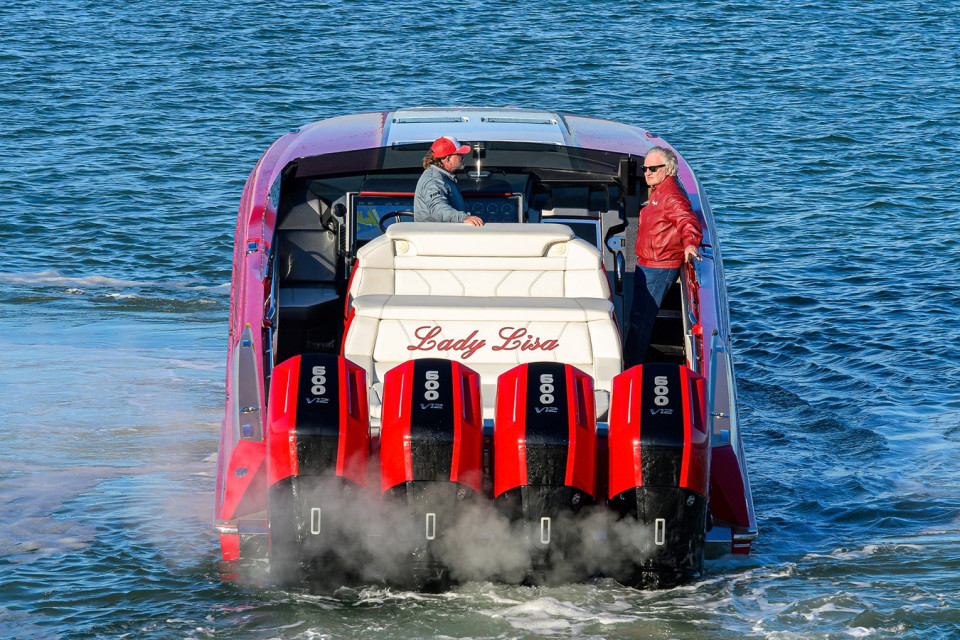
(307, 243)
(306, 259)
(307, 255)
(494, 260)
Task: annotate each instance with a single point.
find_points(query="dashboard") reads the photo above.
(369, 208)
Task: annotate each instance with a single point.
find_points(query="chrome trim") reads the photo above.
(616, 243)
(691, 318)
(619, 268)
(429, 119)
(517, 120)
(745, 536)
(545, 523)
(725, 537)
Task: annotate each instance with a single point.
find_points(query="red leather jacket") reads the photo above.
(667, 225)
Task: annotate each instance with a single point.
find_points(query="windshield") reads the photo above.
(545, 160)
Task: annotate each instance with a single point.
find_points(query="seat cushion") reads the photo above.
(494, 260)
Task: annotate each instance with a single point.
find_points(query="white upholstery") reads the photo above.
(520, 286)
(494, 260)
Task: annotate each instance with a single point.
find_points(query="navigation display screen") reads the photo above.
(370, 208)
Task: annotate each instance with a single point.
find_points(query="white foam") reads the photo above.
(863, 632)
(827, 608)
(55, 278)
(79, 284)
(863, 552)
(550, 615)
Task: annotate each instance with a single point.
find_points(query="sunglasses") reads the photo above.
(653, 167)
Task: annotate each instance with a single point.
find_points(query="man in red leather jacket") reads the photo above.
(668, 235)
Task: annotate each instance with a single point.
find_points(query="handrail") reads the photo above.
(692, 289)
(694, 279)
(716, 346)
(712, 369)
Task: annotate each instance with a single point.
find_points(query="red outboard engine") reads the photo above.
(658, 473)
(431, 448)
(545, 444)
(318, 443)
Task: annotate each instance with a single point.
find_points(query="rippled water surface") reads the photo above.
(826, 135)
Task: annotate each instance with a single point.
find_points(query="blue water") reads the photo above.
(826, 135)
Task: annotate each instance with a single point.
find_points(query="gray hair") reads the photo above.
(669, 159)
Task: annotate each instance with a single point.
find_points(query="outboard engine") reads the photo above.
(658, 473)
(318, 444)
(431, 448)
(545, 443)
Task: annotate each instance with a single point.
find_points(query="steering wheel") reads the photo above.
(394, 216)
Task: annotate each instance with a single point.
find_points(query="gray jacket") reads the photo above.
(437, 198)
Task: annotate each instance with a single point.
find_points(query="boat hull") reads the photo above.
(471, 395)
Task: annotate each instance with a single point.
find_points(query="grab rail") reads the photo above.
(716, 347)
(690, 289)
(694, 275)
(693, 294)
(712, 369)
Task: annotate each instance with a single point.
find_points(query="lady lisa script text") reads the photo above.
(512, 339)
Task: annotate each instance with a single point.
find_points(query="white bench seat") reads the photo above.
(522, 260)
(411, 304)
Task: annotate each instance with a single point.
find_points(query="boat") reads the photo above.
(418, 404)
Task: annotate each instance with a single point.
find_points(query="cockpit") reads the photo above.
(332, 205)
(385, 200)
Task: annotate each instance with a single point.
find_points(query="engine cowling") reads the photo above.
(431, 448)
(318, 446)
(545, 444)
(658, 472)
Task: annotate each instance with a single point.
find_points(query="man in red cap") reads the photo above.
(437, 198)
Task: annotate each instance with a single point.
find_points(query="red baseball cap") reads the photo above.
(448, 145)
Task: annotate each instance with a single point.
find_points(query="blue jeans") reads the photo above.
(650, 286)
